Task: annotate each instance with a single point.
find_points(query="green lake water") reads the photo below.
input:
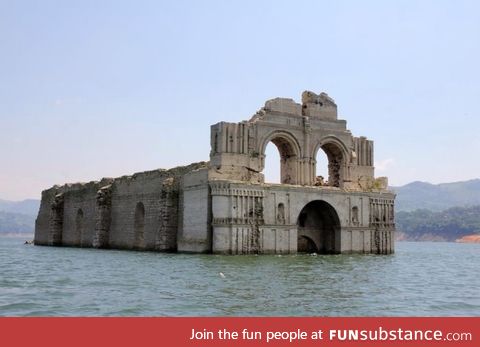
(420, 279)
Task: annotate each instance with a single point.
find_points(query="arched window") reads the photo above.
(272, 164)
(139, 226)
(78, 228)
(286, 154)
(335, 159)
(321, 178)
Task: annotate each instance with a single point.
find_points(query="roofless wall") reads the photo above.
(225, 206)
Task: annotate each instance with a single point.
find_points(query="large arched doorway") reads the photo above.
(318, 228)
(289, 153)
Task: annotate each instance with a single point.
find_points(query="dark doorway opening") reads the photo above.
(318, 229)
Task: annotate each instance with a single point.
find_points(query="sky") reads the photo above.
(93, 89)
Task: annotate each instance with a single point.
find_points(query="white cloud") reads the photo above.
(383, 165)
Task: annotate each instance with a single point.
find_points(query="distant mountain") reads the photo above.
(28, 206)
(16, 222)
(437, 197)
(448, 225)
(18, 216)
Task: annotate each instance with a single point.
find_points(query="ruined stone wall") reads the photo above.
(265, 218)
(238, 218)
(144, 212)
(194, 232)
(79, 215)
(42, 223)
(224, 206)
(131, 212)
(299, 131)
(382, 220)
(67, 214)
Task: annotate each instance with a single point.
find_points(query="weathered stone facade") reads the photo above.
(224, 206)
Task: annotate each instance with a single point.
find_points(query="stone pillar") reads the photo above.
(56, 221)
(103, 217)
(312, 167)
(306, 178)
(166, 236)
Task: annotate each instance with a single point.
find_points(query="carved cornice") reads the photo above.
(223, 188)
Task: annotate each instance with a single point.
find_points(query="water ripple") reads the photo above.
(421, 279)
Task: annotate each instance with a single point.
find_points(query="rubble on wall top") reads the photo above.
(283, 105)
(313, 105)
(321, 99)
(173, 172)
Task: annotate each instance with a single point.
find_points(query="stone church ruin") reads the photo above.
(224, 205)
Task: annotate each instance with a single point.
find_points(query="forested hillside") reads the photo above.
(447, 225)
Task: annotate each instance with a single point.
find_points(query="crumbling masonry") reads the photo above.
(224, 205)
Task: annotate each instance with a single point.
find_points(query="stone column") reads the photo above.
(166, 236)
(306, 178)
(103, 217)
(56, 221)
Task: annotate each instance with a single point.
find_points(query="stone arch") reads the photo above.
(337, 154)
(139, 226)
(318, 228)
(290, 154)
(79, 228)
(306, 245)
